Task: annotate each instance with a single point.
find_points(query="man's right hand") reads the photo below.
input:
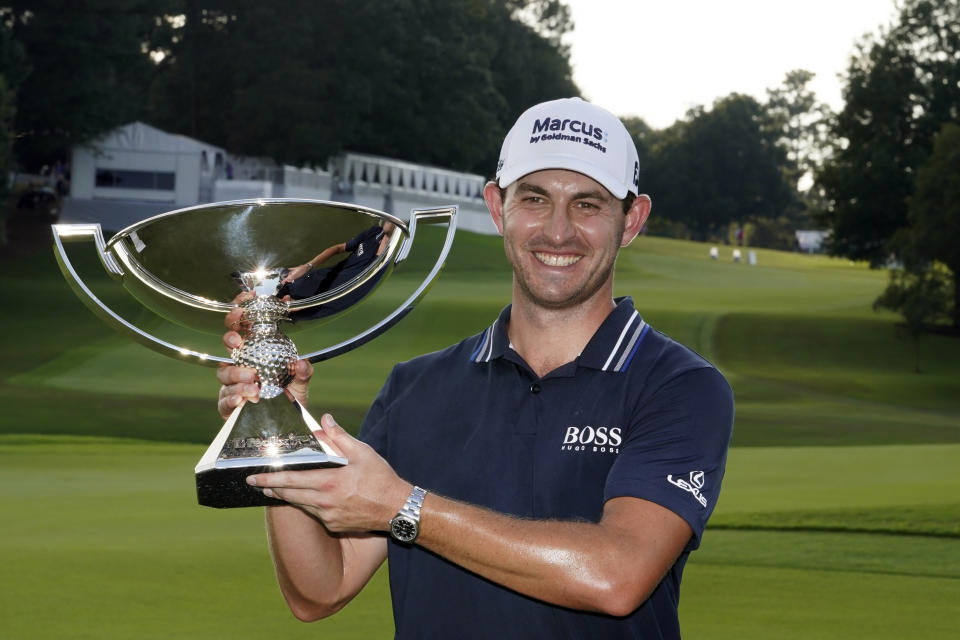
(240, 383)
(297, 272)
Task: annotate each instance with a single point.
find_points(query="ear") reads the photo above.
(491, 195)
(636, 217)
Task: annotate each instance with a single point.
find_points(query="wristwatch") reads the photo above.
(405, 526)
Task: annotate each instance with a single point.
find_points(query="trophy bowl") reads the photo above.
(293, 266)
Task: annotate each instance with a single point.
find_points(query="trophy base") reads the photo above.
(227, 488)
(260, 438)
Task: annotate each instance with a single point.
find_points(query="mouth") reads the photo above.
(557, 259)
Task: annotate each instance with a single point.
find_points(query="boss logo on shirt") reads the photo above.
(592, 439)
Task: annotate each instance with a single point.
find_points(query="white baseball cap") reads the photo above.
(575, 135)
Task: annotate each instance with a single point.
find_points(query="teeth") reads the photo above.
(555, 260)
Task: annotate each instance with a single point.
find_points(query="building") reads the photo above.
(137, 171)
(810, 241)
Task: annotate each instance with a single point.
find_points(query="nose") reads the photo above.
(559, 225)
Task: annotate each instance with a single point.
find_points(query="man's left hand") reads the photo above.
(361, 496)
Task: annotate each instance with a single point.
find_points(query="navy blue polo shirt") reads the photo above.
(636, 414)
(362, 248)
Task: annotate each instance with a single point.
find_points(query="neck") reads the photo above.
(548, 338)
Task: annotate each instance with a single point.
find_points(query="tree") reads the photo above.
(801, 124)
(927, 290)
(13, 68)
(550, 19)
(645, 138)
(719, 167)
(7, 110)
(901, 85)
(429, 81)
(934, 214)
(798, 119)
(921, 297)
(88, 71)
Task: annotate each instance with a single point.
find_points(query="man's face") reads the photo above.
(561, 231)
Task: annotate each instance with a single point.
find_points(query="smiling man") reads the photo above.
(546, 478)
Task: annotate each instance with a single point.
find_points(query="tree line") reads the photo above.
(438, 82)
(426, 80)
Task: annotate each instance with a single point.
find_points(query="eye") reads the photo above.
(587, 206)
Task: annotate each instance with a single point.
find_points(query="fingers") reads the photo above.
(239, 384)
(299, 387)
(233, 321)
(243, 296)
(329, 434)
(231, 374)
(312, 479)
(302, 371)
(232, 340)
(330, 426)
(305, 488)
(234, 318)
(227, 403)
(294, 273)
(336, 436)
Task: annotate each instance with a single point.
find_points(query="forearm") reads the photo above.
(326, 254)
(318, 571)
(610, 567)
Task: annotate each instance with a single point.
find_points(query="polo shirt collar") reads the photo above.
(494, 342)
(611, 348)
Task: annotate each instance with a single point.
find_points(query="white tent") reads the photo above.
(142, 163)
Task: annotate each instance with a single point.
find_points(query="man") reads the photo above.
(569, 456)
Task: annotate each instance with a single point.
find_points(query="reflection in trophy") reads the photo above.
(306, 281)
(185, 266)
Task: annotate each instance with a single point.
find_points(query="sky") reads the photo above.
(658, 58)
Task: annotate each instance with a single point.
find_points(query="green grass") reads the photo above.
(893, 489)
(735, 602)
(102, 538)
(838, 519)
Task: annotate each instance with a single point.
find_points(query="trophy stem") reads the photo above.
(273, 434)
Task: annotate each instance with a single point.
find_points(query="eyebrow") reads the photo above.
(594, 194)
(531, 188)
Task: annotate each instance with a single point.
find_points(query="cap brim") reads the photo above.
(515, 172)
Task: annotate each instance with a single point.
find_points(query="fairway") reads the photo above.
(839, 518)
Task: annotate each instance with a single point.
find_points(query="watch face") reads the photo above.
(403, 529)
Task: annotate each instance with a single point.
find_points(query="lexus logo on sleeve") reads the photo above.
(693, 483)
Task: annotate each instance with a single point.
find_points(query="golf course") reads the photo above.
(839, 517)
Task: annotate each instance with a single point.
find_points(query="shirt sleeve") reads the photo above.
(675, 450)
(354, 242)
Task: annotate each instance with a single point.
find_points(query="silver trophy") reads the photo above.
(190, 267)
